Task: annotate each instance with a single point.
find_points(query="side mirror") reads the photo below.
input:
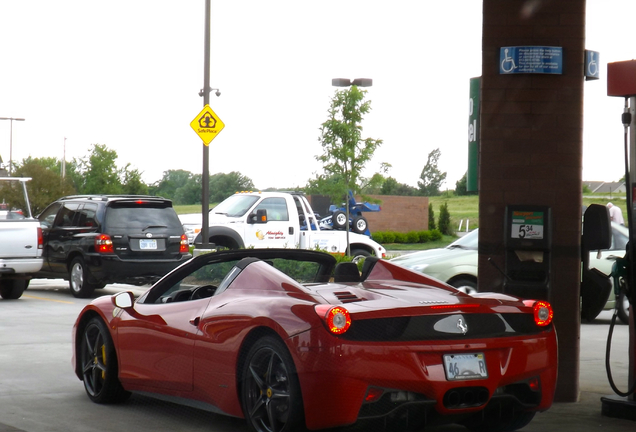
(123, 299)
(597, 231)
(260, 217)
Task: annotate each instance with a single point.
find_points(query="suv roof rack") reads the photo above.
(106, 197)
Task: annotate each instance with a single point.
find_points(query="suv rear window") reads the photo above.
(143, 216)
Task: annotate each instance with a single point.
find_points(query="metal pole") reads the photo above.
(64, 160)
(205, 178)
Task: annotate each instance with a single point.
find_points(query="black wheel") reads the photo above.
(359, 255)
(99, 364)
(622, 304)
(12, 289)
(78, 279)
(464, 285)
(339, 220)
(359, 225)
(270, 391)
(500, 421)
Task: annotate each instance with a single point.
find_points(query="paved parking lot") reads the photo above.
(40, 393)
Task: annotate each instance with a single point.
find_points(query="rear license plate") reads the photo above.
(465, 366)
(146, 244)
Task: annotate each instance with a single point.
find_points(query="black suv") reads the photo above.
(92, 240)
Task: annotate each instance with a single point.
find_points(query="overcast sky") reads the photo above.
(127, 74)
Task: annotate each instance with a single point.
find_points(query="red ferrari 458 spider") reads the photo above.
(288, 339)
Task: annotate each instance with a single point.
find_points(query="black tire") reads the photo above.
(500, 421)
(339, 220)
(99, 364)
(270, 390)
(464, 285)
(78, 279)
(12, 289)
(359, 225)
(622, 304)
(359, 254)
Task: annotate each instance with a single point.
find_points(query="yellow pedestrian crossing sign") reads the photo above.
(207, 125)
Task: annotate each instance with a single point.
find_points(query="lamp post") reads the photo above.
(11, 141)
(346, 82)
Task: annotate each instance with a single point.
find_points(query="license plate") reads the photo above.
(465, 366)
(146, 244)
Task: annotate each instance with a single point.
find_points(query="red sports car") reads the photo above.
(287, 338)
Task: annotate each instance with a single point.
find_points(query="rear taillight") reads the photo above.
(337, 319)
(40, 239)
(184, 247)
(103, 244)
(542, 310)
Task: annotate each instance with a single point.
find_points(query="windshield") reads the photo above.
(467, 241)
(235, 206)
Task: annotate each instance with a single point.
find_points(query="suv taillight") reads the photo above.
(103, 244)
(184, 247)
(40, 239)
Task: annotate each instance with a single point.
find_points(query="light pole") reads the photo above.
(11, 141)
(346, 82)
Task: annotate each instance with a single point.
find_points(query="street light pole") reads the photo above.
(11, 141)
(346, 82)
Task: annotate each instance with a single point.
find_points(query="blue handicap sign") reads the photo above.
(531, 60)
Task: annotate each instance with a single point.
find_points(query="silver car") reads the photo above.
(457, 263)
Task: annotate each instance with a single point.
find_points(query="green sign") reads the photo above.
(474, 127)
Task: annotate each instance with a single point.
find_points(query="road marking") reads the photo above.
(46, 299)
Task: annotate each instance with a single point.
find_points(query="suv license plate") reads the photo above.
(465, 366)
(145, 244)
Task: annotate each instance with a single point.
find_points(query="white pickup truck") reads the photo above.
(279, 220)
(20, 238)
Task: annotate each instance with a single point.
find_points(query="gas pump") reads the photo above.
(621, 81)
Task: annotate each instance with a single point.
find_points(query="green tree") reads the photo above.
(431, 177)
(224, 185)
(132, 184)
(171, 181)
(98, 173)
(345, 152)
(46, 184)
(431, 217)
(444, 220)
(461, 187)
(190, 192)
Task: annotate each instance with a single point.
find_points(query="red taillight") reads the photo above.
(543, 312)
(337, 318)
(373, 394)
(40, 239)
(103, 244)
(534, 384)
(184, 247)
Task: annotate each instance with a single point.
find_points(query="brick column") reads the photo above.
(531, 153)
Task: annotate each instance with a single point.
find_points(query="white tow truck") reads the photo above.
(20, 239)
(280, 220)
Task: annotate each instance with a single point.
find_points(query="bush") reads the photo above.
(444, 220)
(400, 237)
(424, 236)
(389, 237)
(436, 235)
(378, 236)
(412, 237)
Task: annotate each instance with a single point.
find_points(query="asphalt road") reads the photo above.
(40, 393)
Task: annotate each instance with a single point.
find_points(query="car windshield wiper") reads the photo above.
(155, 226)
(456, 247)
